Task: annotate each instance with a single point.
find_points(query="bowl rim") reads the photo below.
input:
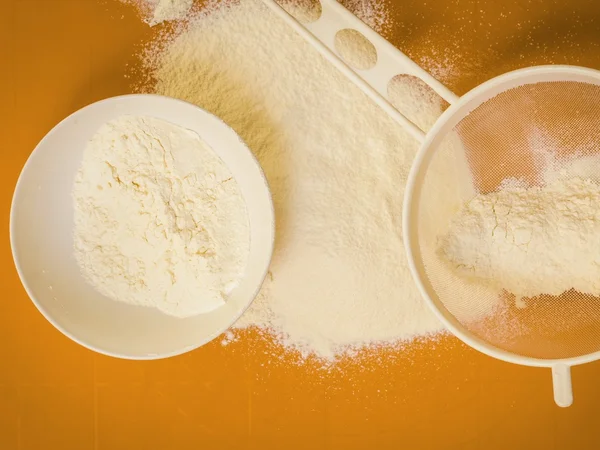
(412, 193)
(150, 356)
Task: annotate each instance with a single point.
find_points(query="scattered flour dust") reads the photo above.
(336, 164)
(159, 221)
(374, 13)
(164, 10)
(155, 12)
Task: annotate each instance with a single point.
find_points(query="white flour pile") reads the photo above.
(530, 240)
(159, 221)
(336, 164)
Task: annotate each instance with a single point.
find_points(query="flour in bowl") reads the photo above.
(159, 220)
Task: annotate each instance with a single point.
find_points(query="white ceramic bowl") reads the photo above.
(41, 236)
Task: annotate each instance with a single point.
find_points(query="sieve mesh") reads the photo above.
(518, 134)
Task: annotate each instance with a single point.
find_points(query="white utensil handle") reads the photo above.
(561, 381)
(373, 82)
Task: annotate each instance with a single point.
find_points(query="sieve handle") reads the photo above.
(561, 381)
(373, 82)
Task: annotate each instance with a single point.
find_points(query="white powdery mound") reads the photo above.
(530, 241)
(143, 187)
(336, 164)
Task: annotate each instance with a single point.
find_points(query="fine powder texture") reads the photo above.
(372, 12)
(159, 221)
(155, 12)
(336, 165)
(164, 10)
(530, 241)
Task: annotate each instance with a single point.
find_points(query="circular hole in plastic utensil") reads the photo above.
(305, 11)
(355, 49)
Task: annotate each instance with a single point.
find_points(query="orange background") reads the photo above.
(58, 55)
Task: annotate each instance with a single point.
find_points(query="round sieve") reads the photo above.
(490, 135)
(509, 128)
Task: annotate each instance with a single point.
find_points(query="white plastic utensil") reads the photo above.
(41, 236)
(373, 82)
(481, 139)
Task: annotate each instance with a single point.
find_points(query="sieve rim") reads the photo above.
(449, 118)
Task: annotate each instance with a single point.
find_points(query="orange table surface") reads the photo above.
(59, 55)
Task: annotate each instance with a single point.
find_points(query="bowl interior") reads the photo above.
(42, 235)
